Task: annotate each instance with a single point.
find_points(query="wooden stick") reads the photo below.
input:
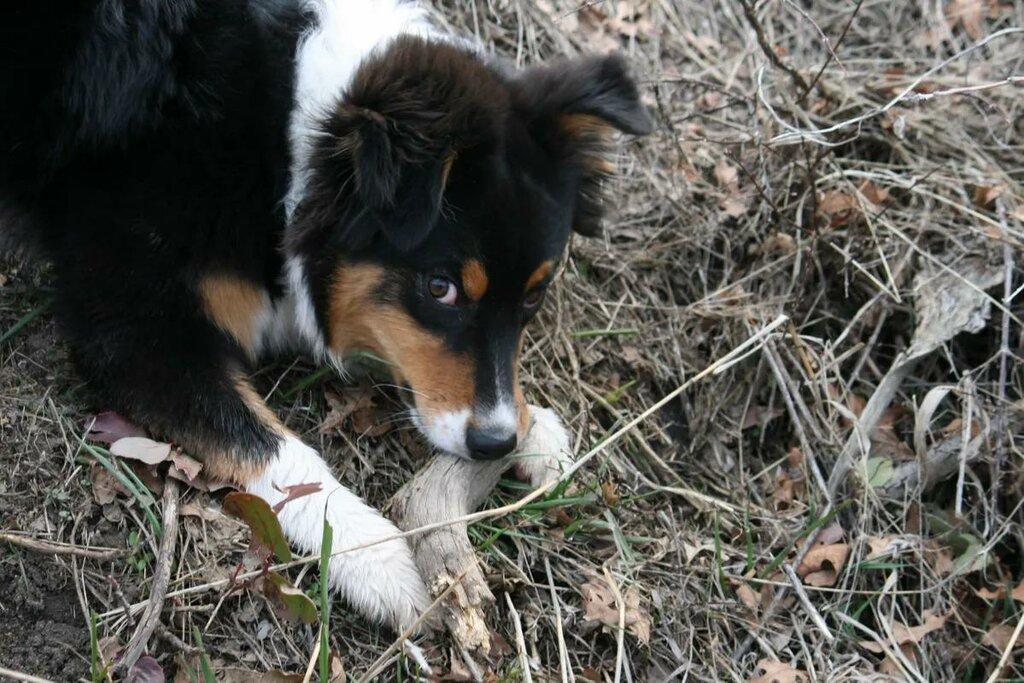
(161, 579)
(56, 548)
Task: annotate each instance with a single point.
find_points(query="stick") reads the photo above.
(161, 578)
(56, 548)
(524, 659)
(808, 606)
(448, 488)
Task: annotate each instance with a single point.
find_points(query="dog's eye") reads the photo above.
(443, 289)
(533, 297)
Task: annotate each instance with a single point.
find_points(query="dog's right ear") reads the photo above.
(574, 107)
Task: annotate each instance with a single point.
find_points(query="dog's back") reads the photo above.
(95, 89)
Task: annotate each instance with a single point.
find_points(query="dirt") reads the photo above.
(42, 630)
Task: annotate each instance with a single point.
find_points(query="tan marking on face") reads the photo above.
(442, 381)
(538, 275)
(474, 279)
(234, 305)
(580, 125)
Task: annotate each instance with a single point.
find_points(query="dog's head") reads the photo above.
(440, 199)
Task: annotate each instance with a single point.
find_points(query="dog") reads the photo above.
(217, 181)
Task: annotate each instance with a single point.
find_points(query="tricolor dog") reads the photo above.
(217, 180)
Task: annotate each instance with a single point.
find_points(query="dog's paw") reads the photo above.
(546, 451)
(377, 577)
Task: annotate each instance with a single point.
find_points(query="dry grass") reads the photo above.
(753, 199)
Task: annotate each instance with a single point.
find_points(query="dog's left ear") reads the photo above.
(575, 106)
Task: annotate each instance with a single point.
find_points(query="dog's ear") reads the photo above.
(396, 173)
(575, 107)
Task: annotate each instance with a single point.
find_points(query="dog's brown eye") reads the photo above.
(533, 297)
(443, 289)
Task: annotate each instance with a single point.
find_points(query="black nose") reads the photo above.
(484, 444)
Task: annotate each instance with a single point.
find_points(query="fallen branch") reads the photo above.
(55, 548)
(161, 578)
(449, 488)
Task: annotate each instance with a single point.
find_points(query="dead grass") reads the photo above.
(755, 198)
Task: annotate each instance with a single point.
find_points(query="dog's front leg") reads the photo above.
(546, 451)
(380, 580)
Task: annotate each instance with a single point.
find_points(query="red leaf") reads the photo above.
(296, 491)
(108, 427)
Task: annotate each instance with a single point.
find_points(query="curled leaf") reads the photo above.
(290, 602)
(261, 520)
(142, 449)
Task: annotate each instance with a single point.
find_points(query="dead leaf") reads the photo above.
(337, 669)
(610, 493)
(759, 416)
(341, 407)
(904, 634)
(947, 304)
(778, 672)
(146, 670)
(295, 491)
(108, 427)
(599, 605)
(184, 468)
(748, 597)
(142, 449)
(838, 207)
(825, 557)
(881, 546)
(289, 602)
(999, 637)
(873, 193)
(968, 13)
(890, 667)
(999, 593)
(726, 175)
(104, 485)
(985, 195)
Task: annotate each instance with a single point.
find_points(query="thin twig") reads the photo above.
(161, 578)
(524, 659)
(805, 600)
(762, 40)
(57, 548)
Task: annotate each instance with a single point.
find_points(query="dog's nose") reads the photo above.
(485, 444)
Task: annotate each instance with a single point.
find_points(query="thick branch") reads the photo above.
(449, 488)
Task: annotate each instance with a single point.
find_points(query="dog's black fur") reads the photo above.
(144, 144)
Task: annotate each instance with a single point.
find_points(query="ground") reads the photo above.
(854, 166)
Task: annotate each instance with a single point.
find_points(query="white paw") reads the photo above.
(546, 452)
(381, 581)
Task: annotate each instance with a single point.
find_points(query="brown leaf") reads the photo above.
(184, 468)
(837, 207)
(999, 593)
(904, 634)
(610, 493)
(873, 193)
(822, 557)
(968, 13)
(822, 578)
(104, 485)
(289, 602)
(748, 597)
(342, 407)
(142, 449)
(778, 672)
(295, 491)
(999, 637)
(985, 195)
(108, 427)
(599, 605)
(880, 546)
(726, 175)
